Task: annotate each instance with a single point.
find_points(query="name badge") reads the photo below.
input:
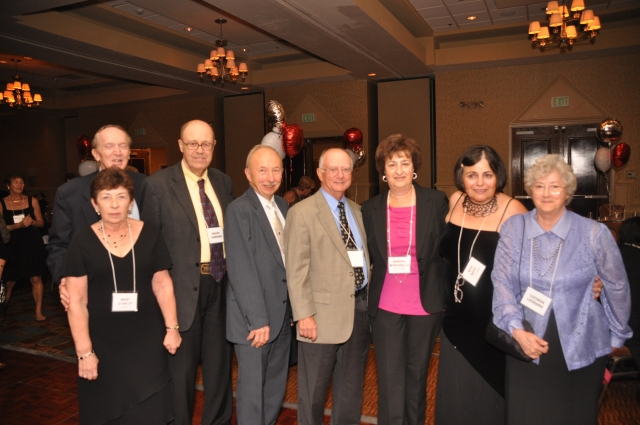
(124, 301)
(215, 234)
(400, 265)
(536, 301)
(473, 271)
(18, 218)
(356, 257)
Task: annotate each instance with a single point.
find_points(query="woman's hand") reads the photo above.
(597, 288)
(88, 367)
(27, 221)
(532, 345)
(172, 341)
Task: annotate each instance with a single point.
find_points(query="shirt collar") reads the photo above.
(333, 202)
(191, 177)
(560, 229)
(264, 201)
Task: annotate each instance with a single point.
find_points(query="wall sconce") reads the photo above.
(472, 104)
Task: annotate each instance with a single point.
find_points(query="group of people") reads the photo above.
(176, 249)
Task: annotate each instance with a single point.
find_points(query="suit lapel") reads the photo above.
(219, 189)
(88, 211)
(425, 213)
(181, 191)
(265, 225)
(325, 217)
(379, 217)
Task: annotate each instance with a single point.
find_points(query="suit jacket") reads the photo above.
(257, 294)
(72, 211)
(431, 210)
(166, 203)
(320, 277)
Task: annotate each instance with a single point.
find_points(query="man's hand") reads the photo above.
(64, 293)
(307, 328)
(259, 336)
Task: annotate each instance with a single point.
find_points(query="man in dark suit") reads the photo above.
(258, 313)
(72, 209)
(327, 276)
(187, 201)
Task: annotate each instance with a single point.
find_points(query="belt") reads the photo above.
(360, 292)
(205, 268)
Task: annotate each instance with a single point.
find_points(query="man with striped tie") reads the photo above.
(188, 201)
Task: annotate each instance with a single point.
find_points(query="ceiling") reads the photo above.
(82, 53)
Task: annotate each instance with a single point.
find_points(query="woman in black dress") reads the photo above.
(121, 298)
(470, 371)
(27, 255)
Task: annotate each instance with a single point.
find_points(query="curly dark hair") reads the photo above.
(15, 174)
(397, 143)
(471, 156)
(111, 178)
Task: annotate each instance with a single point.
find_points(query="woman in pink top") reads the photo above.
(404, 227)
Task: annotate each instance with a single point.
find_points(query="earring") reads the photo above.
(415, 176)
(384, 179)
(97, 212)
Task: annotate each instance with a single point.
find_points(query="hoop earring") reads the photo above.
(384, 179)
(415, 176)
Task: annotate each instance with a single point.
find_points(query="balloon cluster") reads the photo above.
(287, 140)
(610, 131)
(87, 164)
(353, 138)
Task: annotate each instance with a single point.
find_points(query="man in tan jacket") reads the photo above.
(327, 275)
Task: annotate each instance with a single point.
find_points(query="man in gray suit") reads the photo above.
(187, 201)
(327, 275)
(258, 313)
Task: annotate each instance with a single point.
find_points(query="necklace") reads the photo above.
(457, 290)
(632, 244)
(480, 210)
(115, 239)
(552, 259)
(13, 200)
(413, 205)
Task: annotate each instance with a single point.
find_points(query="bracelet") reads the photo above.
(86, 355)
(172, 328)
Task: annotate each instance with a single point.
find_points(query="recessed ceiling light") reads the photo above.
(188, 29)
(244, 50)
(3, 61)
(27, 58)
(509, 13)
(471, 18)
(244, 88)
(371, 74)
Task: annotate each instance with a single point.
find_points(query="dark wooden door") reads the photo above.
(577, 144)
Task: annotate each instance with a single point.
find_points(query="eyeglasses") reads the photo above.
(334, 171)
(554, 189)
(206, 146)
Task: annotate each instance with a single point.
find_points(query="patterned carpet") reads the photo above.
(52, 338)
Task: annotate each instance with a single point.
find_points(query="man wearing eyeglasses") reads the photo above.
(327, 275)
(187, 201)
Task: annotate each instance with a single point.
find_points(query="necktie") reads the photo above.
(218, 265)
(347, 238)
(277, 226)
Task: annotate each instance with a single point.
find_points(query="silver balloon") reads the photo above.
(276, 116)
(603, 159)
(609, 130)
(274, 140)
(360, 157)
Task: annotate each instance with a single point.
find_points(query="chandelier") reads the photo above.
(19, 93)
(565, 25)
(221, 64)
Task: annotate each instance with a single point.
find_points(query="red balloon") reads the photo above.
(353, 137)
(84, 147)
(620, 154)
(292, 139)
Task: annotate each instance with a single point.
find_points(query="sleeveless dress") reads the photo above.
(27, 254)
(133, 376)
(471, 372)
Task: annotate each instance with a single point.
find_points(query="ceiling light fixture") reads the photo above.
(565, 24)
(18, 93)
(221, 64)
(471, 18)
(372, 74)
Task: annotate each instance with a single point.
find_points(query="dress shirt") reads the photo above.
(265, 202)
(333, 206)
(587, 328)
(194, 193)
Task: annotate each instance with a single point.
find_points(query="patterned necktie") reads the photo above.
(347, 238)
(277, 226)
(218, 266)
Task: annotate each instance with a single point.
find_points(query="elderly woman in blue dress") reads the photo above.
(545, 265)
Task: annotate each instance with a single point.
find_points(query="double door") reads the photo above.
(577, 144)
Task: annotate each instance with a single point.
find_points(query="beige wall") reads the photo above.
(612, 83)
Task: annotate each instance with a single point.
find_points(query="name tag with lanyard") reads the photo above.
(215, 234)
(122, 301)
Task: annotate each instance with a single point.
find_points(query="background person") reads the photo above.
(405, 303)
(544, 267)
(27, 254)
(122, 364)
(301, 191)
(629, 244)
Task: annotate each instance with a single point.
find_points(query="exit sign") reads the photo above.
(559, 101)
(308, 117)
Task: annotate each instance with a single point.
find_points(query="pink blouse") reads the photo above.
(396, 297)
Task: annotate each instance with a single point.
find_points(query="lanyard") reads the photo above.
(133, 255)
(413, 204)
(346, 231)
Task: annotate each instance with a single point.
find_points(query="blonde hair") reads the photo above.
(547, 165)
